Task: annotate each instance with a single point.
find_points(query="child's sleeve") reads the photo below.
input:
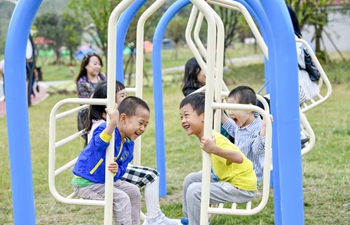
(100, 140)
(230, 126)
(259, 145)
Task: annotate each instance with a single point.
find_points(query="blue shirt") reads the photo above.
(249, 142)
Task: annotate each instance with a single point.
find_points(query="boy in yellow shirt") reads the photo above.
(236, 182)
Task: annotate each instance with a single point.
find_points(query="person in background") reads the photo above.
(2, 69)
(194, 77)
(88, 77)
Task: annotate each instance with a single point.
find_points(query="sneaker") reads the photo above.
(161, 219)
(184, 221)
(303, 142)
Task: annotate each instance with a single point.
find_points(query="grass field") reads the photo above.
(325, 168)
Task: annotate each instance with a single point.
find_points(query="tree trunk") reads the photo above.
(318, 36)
(130, 67)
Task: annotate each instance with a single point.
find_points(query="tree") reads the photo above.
(73, 32)
(233, 22)
(316, 14)
(175, 31)
(97, 12)
(49, 26)
(94, 12)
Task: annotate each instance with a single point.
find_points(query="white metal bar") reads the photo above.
(323, 78)
(267, 160)
(196, 38)
(219, 67)
(264, 102)
(112, 52)
(211, 46)
(307, 129)
(69, 138)
(65, 167)
(52, 147)
(139, 64)
(238, 6)
(69, 112)
(190, 43)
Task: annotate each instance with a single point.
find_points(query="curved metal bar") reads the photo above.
(17, 111)
(122, 28)
(158, 89)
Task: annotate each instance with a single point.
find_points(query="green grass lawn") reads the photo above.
(325, 168)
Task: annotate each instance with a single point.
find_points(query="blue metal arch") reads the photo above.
(122, 28)
(287, 173)
(17, 112)
(158, 89)
(287, 164)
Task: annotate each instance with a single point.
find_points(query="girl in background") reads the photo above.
(88, 77)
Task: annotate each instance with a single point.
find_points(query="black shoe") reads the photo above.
(303, 141)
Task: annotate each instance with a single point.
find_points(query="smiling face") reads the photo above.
(191, 121)
(240, 117)
(93, 68)
(134, 126)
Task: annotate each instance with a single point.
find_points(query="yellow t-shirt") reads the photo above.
(240, 175)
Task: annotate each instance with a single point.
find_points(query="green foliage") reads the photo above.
(52, 6)
(230, 19)
(96, 12)
(311, 12)
(49, 25)
(175, 29)
(72, 33)
(316, 14)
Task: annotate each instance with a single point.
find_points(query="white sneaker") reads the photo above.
(161, 219)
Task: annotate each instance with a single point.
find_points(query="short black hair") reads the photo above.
(119, 86)
(129, 105)
(196, 100)
(244, 95)
(96, 111)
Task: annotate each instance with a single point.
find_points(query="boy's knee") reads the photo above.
(135, 192)
(194, 192)
(191, 178)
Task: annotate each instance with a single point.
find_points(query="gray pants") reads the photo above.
(126, 200)
(220, 192)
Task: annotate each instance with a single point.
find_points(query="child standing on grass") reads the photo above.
(140, 176)
(247, 128)
(236, 178)
(128, 122)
